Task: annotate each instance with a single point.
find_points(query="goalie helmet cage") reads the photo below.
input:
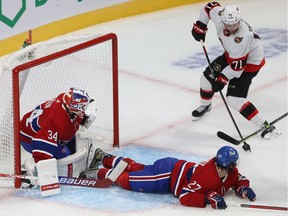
(42, 71)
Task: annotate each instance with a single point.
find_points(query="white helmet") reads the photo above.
(230, 15)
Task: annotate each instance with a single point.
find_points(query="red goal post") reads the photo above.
(44, 70)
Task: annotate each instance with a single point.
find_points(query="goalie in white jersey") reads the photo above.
(237, 66)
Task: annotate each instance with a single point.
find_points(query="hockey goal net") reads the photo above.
(44, 70)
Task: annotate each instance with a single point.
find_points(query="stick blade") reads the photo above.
(71, 181)
(105, 183)
(227, 138)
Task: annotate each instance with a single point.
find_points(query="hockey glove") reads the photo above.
(220, 82)
(246, 192)
(199, 31)
(216, 201)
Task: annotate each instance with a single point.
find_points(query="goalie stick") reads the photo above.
(72, 181)
(104, 183)
(230, 139)
(264, 207)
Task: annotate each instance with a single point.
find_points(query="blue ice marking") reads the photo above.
(114, 199)
(274, 43)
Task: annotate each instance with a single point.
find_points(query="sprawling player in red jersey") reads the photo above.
(242, 59)
(194, 184)
(46, 130)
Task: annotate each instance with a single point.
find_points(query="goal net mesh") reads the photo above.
(49, 68)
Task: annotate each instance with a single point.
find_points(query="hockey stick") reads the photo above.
(63, 180)
(72, 181)
(258, 206)
(2, 175)
(104, 183)
(246, 146)
(230, 139)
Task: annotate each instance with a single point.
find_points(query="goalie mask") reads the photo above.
(227, 158)
(76, 101)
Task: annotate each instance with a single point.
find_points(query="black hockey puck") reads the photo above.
(246, 147)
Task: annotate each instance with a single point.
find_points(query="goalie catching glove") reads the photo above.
(90, 114)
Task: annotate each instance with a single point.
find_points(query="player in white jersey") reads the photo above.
(241, 61)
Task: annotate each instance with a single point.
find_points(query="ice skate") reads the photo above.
(200, 111)
(98, 158)
(270, 131)
(27, 183)
(90, 173)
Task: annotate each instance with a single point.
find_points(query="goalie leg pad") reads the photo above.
(30, 167)
(74, 164)
(48, 177)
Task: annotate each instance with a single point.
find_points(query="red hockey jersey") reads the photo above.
(48, 128)
(192, 182)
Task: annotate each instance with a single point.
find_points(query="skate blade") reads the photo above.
(194, 119)
(272, 135)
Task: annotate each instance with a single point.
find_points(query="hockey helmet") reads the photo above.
(227, 157)
(76, 100)
(230, 15)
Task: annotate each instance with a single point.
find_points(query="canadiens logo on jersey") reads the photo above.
(238, 39)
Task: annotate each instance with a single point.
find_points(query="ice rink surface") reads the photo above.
(160, 65)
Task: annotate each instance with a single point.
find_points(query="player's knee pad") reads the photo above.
(236, 102)
(208, 75)
(205, 83)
